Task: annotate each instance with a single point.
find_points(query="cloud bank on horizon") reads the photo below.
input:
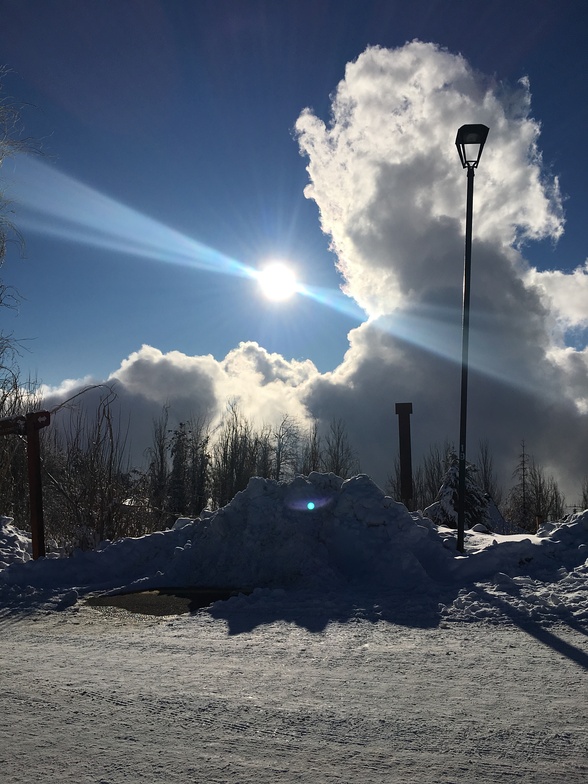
(387, 181)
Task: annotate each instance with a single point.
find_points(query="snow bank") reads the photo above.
(320, 534)
(15, 545)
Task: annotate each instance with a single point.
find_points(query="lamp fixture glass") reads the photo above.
(470, 142)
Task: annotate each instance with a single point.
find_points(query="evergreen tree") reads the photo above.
(535, 498)
(518, 510)
(444, 509)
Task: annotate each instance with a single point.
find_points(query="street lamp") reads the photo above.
(470, 142)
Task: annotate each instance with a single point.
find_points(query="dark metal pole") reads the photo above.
(464, 362)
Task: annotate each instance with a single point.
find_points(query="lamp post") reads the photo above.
(470, 142)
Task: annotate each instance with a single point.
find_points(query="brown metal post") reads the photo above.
(404, 410)
(35, 489)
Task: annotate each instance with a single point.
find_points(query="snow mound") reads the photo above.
(322, 535)
(15, 545)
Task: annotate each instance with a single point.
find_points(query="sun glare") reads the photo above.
(277, 281)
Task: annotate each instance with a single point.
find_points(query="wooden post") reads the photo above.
(33, 423)
(30, 425)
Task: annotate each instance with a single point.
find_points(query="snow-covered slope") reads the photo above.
(322, 536)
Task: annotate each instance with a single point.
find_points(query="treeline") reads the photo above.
(92, 492)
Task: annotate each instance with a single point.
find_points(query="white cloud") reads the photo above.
(566, 294)
(387, 179)
(266, 386)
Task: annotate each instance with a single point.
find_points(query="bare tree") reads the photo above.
(158, 470)
(89, 492)
(547, 501)
(16, 398)
(392, 485)
(435, 466)
(584, 500)
(233, 456)
(198, 479)
(188, 480)
(338, 456)
(310, 451)
(286, 436)
(486, 474)
(178, 478)
(393, 489)
(265, 451)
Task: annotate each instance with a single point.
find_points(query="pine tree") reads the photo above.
(444, 510)
(535, 498)
(519, 511)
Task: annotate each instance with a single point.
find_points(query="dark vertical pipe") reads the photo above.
(404, 410)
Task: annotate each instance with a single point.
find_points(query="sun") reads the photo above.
(277, 281)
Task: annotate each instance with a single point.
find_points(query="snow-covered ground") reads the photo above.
(368, 650)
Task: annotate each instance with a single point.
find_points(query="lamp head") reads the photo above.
(470, 142)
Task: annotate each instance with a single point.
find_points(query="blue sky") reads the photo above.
(184, 111)
(175, 153)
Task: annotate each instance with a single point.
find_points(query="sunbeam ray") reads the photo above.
(57, 205)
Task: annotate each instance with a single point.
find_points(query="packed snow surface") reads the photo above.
(320, 535)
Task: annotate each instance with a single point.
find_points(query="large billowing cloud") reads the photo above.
(391, 192)
(386, 177)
